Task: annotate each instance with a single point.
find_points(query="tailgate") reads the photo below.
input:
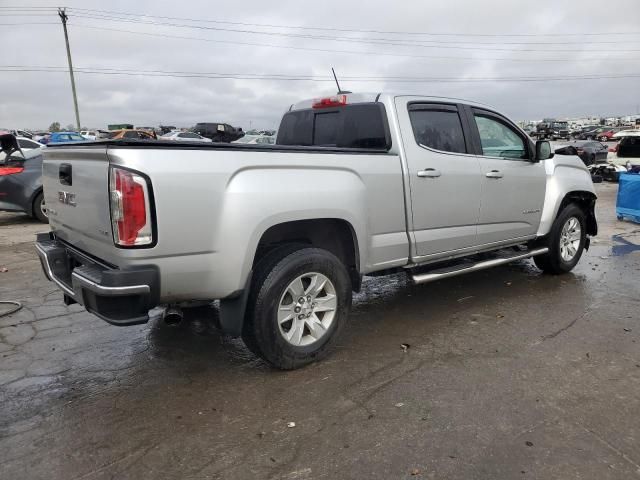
(76, 190)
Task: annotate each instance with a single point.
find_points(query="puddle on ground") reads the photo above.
(622, 246)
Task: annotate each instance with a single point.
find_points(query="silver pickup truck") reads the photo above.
(282, 234)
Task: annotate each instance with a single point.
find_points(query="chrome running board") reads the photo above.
(474, 267)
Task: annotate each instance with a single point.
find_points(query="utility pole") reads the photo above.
(63, 17)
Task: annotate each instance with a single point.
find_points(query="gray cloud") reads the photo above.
(35, 99)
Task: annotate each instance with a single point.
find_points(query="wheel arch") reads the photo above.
(335, 235)
(586, 201)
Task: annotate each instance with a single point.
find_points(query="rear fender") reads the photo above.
(265, 197)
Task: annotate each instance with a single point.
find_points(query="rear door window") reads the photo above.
(438, 127)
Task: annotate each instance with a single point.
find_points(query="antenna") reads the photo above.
(340, 91)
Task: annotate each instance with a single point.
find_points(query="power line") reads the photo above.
(312, 49)
(347, 30)
(29, 23)
(312, 27)
(291, 77)
(354, 52)
(374, 41)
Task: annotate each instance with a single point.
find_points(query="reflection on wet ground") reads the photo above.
(482, 376)
(623, 246)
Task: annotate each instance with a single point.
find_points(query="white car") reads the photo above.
(28, 144)
(89, 134)
(94, 134)
(184, 137)
(626, 133)
(257, 139)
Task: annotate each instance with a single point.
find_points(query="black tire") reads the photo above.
(552, 262)
(261, 332)
(38, 207)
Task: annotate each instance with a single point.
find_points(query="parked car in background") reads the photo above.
(95, 134)
(588, 133)
(551, 129)
(29, 144)
(626, 133)
(18, 132)
(132, 134)
(181, 136)
(164, 129)
(591, 152)
(256, 139)
(576, 133)
(21, 179)
(606, 134)
(218, 132)
(629, 150)
(150, 130)
(595, 157)
(64, 137)
(89, 134)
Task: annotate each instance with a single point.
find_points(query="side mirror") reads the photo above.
(543, 150)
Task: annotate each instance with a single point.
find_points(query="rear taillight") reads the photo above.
(130, 208)
(10, 170)
(328, 102)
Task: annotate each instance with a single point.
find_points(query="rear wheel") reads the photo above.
(299, 302)
(566, 242)
(40, 209)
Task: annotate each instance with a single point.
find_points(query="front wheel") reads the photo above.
(604, 139)
(298, 305)
(566, 242)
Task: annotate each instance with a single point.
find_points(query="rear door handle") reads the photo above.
(495, 174)
(429, 173)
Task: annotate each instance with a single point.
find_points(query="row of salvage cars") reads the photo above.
(604, 162)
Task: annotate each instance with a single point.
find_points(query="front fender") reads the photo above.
(565, 174)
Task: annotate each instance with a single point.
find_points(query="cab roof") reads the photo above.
(368, 97)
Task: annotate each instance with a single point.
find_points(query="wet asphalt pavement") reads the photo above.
(508, 374)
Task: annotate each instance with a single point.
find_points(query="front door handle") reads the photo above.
(495, 174)
(429, 173)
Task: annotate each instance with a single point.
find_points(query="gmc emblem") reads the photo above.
(67, 198)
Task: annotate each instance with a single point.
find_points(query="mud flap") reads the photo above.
(232, 310)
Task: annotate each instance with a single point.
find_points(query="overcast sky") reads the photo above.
(35, 99)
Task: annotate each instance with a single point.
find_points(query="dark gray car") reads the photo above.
(21, 179)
